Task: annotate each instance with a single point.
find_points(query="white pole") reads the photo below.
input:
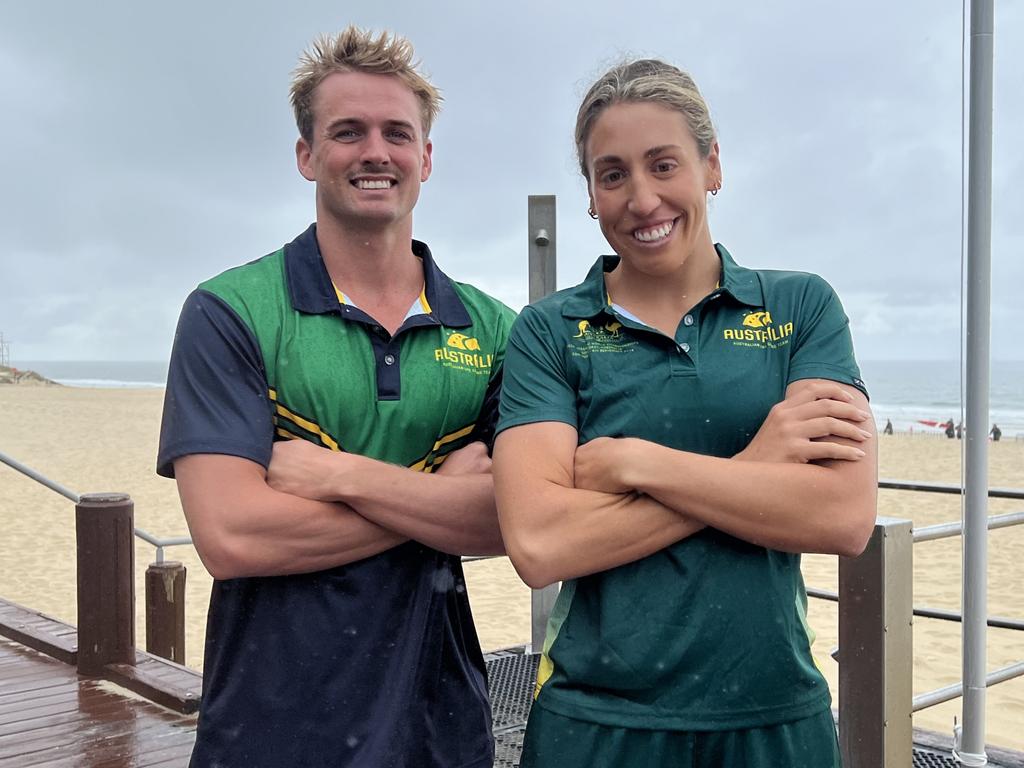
(970, 749)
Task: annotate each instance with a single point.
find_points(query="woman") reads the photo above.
(675, 430)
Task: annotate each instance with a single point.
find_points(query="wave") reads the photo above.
(111, 384)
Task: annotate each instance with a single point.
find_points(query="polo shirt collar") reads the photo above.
(740, 283)
(591, 297)
(311, 289)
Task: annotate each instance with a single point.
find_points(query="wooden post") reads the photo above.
(105, 527)
(165, 610)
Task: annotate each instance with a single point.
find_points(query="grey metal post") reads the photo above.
(541, 225)
(876, 650)
(971, 746)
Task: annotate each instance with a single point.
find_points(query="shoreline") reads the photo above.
(96, 439)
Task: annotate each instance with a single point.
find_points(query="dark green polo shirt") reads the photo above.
(709, 633)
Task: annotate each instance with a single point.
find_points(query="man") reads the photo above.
(347, 363)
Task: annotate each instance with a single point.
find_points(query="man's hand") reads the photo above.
(471, 459)
(798, 429)
(601, 464)
(302, 469)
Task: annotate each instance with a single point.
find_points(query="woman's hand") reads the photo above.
(800, 428)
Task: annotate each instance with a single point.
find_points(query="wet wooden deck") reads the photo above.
(49, 716)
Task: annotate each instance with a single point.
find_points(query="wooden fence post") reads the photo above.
(104, 527)
(165, 610)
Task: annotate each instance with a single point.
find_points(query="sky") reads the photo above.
(144, 148)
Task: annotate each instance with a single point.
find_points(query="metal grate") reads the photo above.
(510, 680)
(928, 759)
(507, 749)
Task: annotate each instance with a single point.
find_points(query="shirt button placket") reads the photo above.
(686, 346)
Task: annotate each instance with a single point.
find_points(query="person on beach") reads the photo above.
(888, 427)
(995, 433)
(326, 418)
(674, 431)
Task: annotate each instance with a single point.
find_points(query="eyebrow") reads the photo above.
(345, 121)
(652, 152)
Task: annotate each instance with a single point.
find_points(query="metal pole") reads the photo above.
(542, 246)
(950, 692)
(970, 747)
(541, 227)
(42, 479)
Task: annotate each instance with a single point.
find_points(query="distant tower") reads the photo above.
(5, 352)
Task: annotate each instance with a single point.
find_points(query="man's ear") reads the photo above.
(303, 158)
(428, 163)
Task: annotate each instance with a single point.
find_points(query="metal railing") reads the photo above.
(165, 581)
(875, 635)
(67, 493)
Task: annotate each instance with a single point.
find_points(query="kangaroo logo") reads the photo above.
(462, 341)
(758, 319)
(584, 326)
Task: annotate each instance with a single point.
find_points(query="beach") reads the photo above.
(94, 440)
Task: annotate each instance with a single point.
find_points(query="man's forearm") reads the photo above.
(454, 514)
(451, 509)
(243, 527)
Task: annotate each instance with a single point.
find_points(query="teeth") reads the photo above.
(651, 235)
(373, 183)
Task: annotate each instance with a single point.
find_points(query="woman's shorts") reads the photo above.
(554, 741)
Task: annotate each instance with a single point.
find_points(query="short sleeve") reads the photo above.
(823, 348)
(536, 385)
(216, 399)
(487, 420)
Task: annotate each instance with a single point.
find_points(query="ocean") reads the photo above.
(905, 392)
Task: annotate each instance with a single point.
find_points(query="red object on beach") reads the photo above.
(932, 423)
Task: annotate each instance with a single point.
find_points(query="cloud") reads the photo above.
(152, 146)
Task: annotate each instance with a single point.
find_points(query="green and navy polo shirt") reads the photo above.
(709, 633)
(376, 662)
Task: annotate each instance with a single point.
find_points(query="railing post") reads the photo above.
(104, 525)
(165, 610)
(542, 264)
(876, 650)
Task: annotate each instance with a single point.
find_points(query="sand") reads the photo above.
(94, 440)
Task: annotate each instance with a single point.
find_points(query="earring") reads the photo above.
(592, 212)
(714, 189)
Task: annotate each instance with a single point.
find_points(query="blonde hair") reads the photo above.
(645, 80)
(359, 50)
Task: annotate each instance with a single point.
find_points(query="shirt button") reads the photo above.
(389, 359)
(688, 320)
(685, 347)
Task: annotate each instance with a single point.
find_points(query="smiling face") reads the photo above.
(648, 184)
(369, 153)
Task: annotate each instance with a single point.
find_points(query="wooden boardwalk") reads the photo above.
(50, 716)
